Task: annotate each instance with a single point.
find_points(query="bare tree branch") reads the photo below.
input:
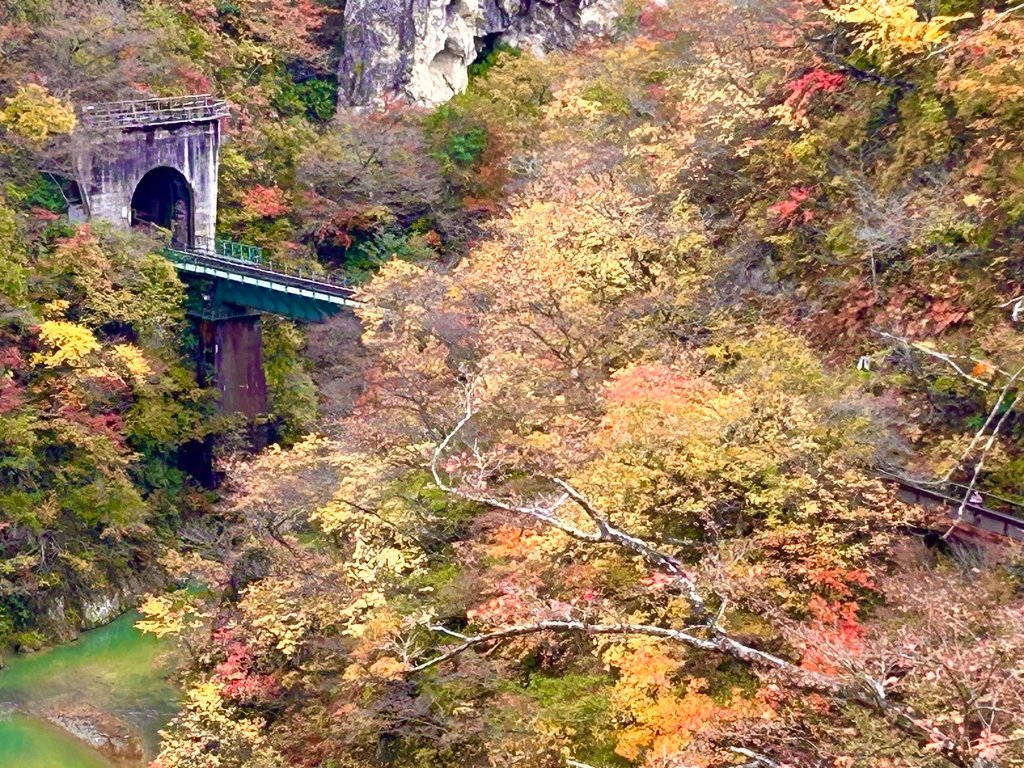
(605, 532)
(706, 634)
(757, 761)
(984, 427)
(994, 412)
(948, 359)
(969, 492)
(990, 23)
(860, 689)
(581, 627)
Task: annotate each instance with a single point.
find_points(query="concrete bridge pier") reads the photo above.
(232, 348)
(229, 359)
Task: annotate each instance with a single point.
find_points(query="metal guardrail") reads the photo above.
(142, 113)
(229, 249)
(207, 254)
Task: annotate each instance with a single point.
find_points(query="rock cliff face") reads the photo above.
(420, 50)
(62, 617)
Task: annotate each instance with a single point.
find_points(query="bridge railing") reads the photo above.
(140, 113)
(229, 249)
(253, 258)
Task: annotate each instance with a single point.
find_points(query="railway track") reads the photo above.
(983, 511)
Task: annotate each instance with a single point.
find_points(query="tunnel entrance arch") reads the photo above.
(115, 145)
(163, 198)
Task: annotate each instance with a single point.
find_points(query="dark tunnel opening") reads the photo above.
(163, 199)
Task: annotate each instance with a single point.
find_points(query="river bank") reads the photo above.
(96, 702)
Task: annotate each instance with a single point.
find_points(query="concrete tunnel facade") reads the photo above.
(110, 168)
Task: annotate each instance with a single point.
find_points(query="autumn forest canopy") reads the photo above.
(603, 471)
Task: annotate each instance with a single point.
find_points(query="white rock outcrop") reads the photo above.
(420, 50)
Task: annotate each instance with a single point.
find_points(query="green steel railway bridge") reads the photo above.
(245, 281)
(154, 164)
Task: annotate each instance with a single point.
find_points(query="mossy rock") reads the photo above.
(28, 642)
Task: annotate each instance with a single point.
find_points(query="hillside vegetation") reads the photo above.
(643, 325)
(101, 409)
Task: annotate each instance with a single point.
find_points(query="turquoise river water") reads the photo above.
(115, 669)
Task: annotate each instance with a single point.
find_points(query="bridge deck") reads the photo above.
(306, 297)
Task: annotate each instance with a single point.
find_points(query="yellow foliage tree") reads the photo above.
(35, 115)
(665, 714)
(131, 362)
(166, 615)
(891, 29)
(70, 344)
(239, 738)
